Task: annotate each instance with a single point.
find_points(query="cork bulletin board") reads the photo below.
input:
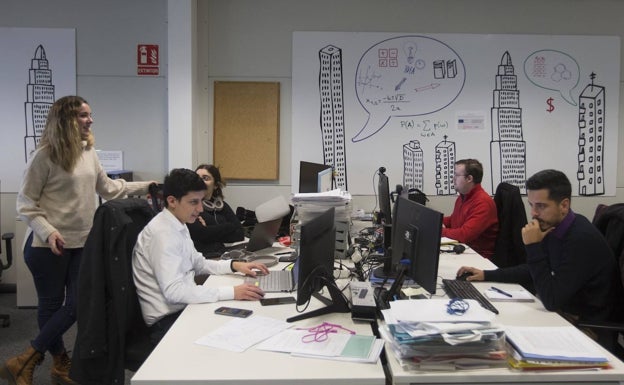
(246, 130)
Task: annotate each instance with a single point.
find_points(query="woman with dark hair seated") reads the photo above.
(217, 224)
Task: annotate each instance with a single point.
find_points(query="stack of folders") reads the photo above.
(553, 348)
(424, 335)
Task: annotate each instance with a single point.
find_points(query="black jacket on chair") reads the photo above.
(112, 335)
(509, 249)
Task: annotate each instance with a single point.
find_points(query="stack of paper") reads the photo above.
(553, 348)
(423, 335)
(337, 196)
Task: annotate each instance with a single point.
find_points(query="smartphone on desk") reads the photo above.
(277, 301)
(233, 312)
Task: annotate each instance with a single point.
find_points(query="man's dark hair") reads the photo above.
(180, 182)
(473, 167)
(556, 182)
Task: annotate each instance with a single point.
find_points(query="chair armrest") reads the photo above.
(7, 237)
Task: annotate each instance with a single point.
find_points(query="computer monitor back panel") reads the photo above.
(416, 237)
(309, 176)
(316, 254)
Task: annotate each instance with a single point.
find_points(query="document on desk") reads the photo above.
(240, 334)
(511, 295)
(435, 310)
(337, 346)
(554, 343)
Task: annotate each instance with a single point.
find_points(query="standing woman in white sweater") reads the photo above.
(57, 200)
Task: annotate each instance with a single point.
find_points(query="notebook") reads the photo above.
(277, 280)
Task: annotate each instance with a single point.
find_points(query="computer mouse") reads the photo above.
(463, 276)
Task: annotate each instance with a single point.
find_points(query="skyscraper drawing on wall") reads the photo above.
(507, 148)
(332, 113)
(413, 165)
(39, 99)
(445, 167)
(591, 125)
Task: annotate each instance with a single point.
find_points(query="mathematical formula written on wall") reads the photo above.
(416, 103)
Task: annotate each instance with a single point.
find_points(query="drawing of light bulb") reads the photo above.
(409, 47)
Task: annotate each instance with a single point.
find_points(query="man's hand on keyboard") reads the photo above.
(246, 268)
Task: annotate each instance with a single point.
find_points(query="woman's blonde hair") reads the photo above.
(62, 138)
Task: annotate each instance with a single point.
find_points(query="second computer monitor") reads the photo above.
(313, 177)
(416, 238)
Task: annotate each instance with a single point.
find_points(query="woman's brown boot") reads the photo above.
(60, 369)
(19, 369)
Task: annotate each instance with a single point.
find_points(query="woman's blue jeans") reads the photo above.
(56, 279)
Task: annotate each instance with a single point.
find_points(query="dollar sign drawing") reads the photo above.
(550, 108)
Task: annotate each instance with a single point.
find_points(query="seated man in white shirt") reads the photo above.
(165, 262)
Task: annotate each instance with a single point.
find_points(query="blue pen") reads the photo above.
(501, 291)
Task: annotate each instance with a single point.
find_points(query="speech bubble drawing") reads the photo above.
(553, 70)
(406, 76)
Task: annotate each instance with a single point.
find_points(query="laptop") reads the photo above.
(277, 280)
(262, 239)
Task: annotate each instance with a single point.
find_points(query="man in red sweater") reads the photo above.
(474, 220)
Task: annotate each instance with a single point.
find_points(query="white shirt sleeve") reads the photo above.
(165, 263)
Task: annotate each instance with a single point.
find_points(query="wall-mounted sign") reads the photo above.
(147, 59)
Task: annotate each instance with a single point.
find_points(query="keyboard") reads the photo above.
(277, 281)
(466, 290)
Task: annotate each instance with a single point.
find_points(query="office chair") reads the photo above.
(610, 222)
(112, 335)
(509, 249)
(5, 319)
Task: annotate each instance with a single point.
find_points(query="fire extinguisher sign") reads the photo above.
(147, 59)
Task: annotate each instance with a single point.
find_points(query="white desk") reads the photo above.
(511, 313)
(177, 359)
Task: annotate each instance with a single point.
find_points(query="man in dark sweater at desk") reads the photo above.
(569, 263)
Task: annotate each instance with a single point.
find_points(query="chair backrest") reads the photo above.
(110, 322)
(609, 219)
(509, 249)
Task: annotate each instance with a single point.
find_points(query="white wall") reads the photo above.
(130, 111)
(252, 40)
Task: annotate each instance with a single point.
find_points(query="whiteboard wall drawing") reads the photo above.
(415, 104)
(507, 148)
(332, 113)
(41, 67)
(39, 99)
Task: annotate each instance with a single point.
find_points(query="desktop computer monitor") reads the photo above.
(383, 188)
(309, 176)
(325, 180)
(316, 266)
(416, 238)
